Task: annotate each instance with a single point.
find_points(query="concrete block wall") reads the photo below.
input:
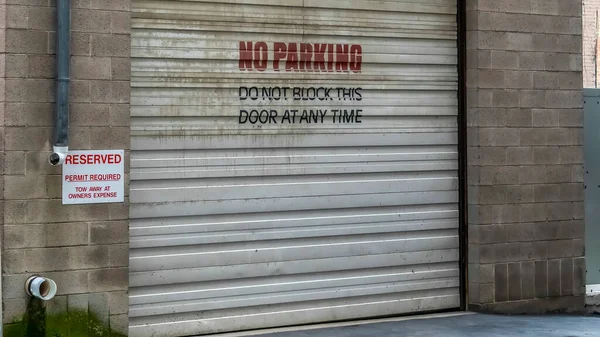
(84, 248)
(525, 155)
(591, 8)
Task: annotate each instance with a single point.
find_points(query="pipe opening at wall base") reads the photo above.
(41, 287)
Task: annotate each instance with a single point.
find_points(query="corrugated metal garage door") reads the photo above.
(339, 201)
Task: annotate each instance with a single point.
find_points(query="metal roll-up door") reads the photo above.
(243, 220)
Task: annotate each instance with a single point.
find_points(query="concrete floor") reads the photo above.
(475, 325)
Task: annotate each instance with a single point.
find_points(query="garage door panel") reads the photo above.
(239, 224)
(302, 313)
(141, 279)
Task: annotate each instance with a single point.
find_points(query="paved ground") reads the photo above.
(465, 326)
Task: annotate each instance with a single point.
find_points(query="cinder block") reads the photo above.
(27, 139)
(13, 261)
(577, 173)
(576, 136)
(484, 59)
(29, 114)
(119, 114)
(14, 162)
(578, 248)
(486, 293)
(113, 5)
(545, 7)
(547, 193)
(90, 21)
(84, 67)
(533, 212)
(119, 256)
(571, 192)
(67, 234)
(541, 279)
(514, 281)
(520, 42)
(532, 98)
(491, 79)
(559, 173)
(80, 91)
(520, 232)
(119, 211)
(528, 280)
(473, 290)
(545, 117)
(121, 68)
(579, 271)
(571, 155)
(570, 44)
(109, 232)
(566, 8)
(81, 44)
(532, 61)
(486, 254)
(67, 258)
(532, 175)
(14, 310)
(17, 16)
(29, 90)
(547, 155)
(56, 306)
(545, 80)
(501, 282)
(571, 80)
(26, 41)
(32, 187)
(533, 136)
(84, 114)
(507, 252)
(505, 98)
(519, 155)
(519, 194)
(110, 137)
(519, 79)
(16, 66)
(24, 236)
(110, 92)
(544, 42)
(554, 278)
(120, 22)
(499, 137)
(42, 18)
(78, 302)
(98, 306)
(116, 279)
(518, 117)
(492, 234)
(561, 249)
(111, 45)
(119, 324)
(507, 6)
(492, 40)
(566, 277)
(566, 99)
(504, 59)
(118, 302)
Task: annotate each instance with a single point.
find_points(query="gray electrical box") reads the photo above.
(592, 184)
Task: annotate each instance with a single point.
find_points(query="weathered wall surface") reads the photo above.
(525, 154)
(591, 9)
(84, 248)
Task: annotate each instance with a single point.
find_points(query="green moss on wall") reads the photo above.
(37, 323)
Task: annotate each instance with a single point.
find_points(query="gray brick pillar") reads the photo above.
(525, 151)
(84, 248)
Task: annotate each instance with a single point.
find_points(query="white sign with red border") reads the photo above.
(93, 177)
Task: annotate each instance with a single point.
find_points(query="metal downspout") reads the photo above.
(61, 127)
